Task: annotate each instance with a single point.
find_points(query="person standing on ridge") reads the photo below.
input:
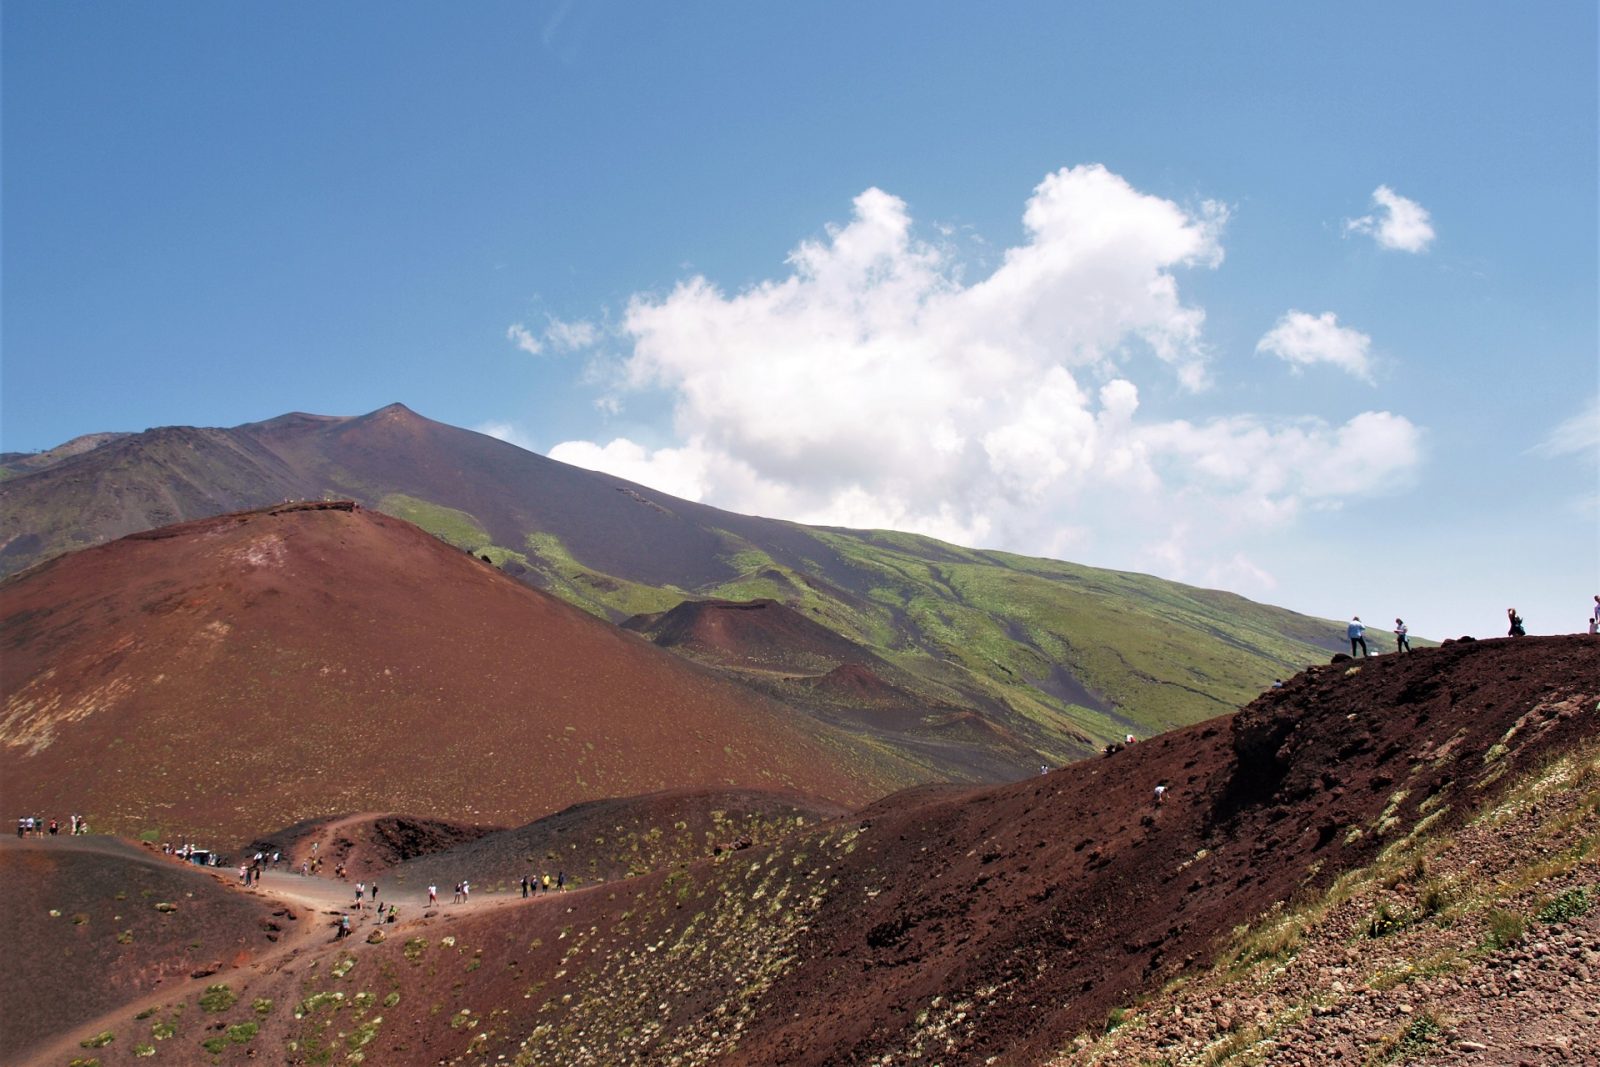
(1357, 634)
(1594, 619)
(1516, 624)
(1400, 642)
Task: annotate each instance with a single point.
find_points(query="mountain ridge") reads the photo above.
(1061, 657)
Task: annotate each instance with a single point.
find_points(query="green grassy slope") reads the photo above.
(1068, 657)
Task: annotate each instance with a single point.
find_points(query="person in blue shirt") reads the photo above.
(1357, 634)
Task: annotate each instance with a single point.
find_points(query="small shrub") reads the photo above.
(1386, 921)
(214, 1045)
(217, 998)
(242, 1033)
(124, 937)
(100, 1040)
(1433, 898)
(1505, 928)
(1420, 1037)
(162, 1031)
(142, 1051)
(1116, 1018)
(261, 1006)
(1570, 905)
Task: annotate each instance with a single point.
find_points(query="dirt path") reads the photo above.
(314, 903)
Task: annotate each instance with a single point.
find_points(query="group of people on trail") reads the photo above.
(36, 826)
(1357, 632)
(536, 883)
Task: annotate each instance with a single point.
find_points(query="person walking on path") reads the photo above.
(1516, 624)
(433, 895)
(1357, 634)
(1400, 642)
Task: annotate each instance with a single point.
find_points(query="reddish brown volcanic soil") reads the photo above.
(259, 669)
(82, 932)
(964, 925)
(960, 926)
(1064, 896)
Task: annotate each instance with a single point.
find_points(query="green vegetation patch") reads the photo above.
(217, 998)
(100, 1040)
(447, 524)
(1572, 904)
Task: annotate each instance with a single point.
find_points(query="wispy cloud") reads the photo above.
(1401, 224)
(1579, 435)
(557, 335)
(524, 339)
(506, 432)
(1303, 339)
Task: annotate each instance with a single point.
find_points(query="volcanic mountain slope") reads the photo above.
(1046, 652)
(969, 926)
(262, 668)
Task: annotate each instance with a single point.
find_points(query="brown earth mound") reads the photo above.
(855, 683)
(750, 634)
(91, 922)
(363, 844)
(267, 667)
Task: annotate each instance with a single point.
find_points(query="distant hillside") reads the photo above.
(1056, 658)
(249, 671)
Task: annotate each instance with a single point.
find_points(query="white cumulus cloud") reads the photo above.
(871, 385)
(1400, 224)
(1303, 339)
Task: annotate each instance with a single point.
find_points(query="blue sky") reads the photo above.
(1296, 300)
